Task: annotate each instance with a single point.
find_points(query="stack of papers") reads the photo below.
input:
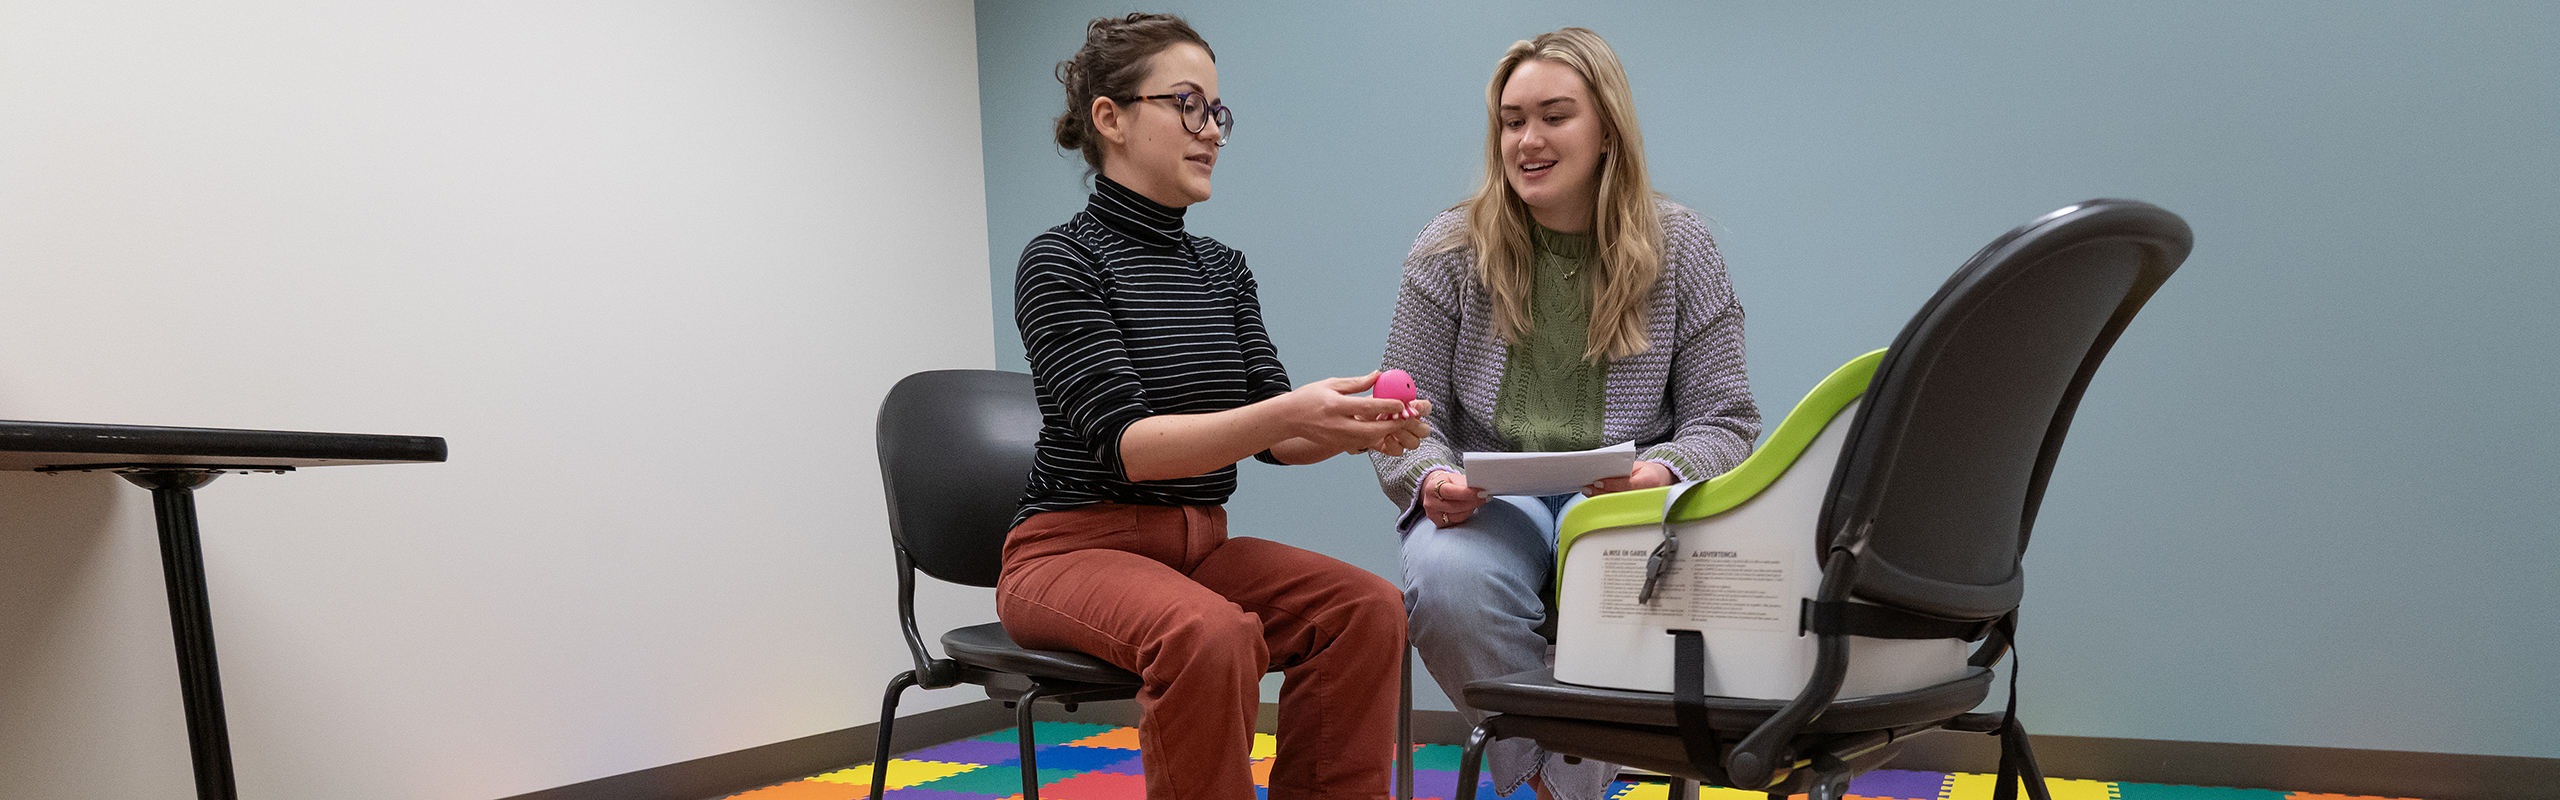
(1537, 474)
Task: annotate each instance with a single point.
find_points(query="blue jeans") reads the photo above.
(1475, 605)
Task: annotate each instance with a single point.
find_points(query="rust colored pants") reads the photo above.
(1161, 591)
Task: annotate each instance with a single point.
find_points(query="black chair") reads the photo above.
(955, 451)
(1929, 510)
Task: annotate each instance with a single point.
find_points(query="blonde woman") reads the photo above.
(1564, 306)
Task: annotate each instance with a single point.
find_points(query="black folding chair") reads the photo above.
(1929, 510)
(955, 451)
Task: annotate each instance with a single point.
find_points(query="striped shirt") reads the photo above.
(1125, 316)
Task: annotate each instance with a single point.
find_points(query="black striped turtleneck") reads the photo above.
(1125, 316)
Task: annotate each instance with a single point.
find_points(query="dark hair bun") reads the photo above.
(1112, 63)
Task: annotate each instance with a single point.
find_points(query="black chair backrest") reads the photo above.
(1947, 460)
(955, 451)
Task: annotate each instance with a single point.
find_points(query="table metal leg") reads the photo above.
(191, 623)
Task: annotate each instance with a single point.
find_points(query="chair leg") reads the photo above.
(1828, 786)
(1404, 726)
(888, 717)
(1472, 759)
(1684, 789)
(1022, 733)
(2029, 771)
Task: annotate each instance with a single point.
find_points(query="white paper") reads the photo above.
(1547, 473)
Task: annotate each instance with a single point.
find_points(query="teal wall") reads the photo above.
(2311, 498)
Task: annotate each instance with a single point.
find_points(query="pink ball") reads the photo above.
(1394, 385)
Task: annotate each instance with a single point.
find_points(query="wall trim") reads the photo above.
(755, 767)
(2325, 770)
(2329, 770)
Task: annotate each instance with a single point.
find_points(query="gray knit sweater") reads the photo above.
(1685, 401)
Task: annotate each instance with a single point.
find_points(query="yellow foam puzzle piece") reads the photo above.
(1977, 786)
(1650, 790)
(902, 773)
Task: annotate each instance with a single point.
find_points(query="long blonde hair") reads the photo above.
(1628, 228)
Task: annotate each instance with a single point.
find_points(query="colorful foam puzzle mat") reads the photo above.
(1079, 761)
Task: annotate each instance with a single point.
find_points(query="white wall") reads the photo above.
(648, 267)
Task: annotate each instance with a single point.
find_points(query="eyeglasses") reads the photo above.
(1197, 112)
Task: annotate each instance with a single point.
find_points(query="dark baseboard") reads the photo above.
(730, 773)
(2323, 770)
(2329, 770)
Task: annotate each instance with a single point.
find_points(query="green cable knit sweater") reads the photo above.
(1550, 397)
(1685, 401)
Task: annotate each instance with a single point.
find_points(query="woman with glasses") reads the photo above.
(1155, 376)
(1564, 306)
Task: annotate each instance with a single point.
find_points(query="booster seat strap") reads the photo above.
(1657, 566)
(1689, 698)
(2017, 758)
(1884, 622)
